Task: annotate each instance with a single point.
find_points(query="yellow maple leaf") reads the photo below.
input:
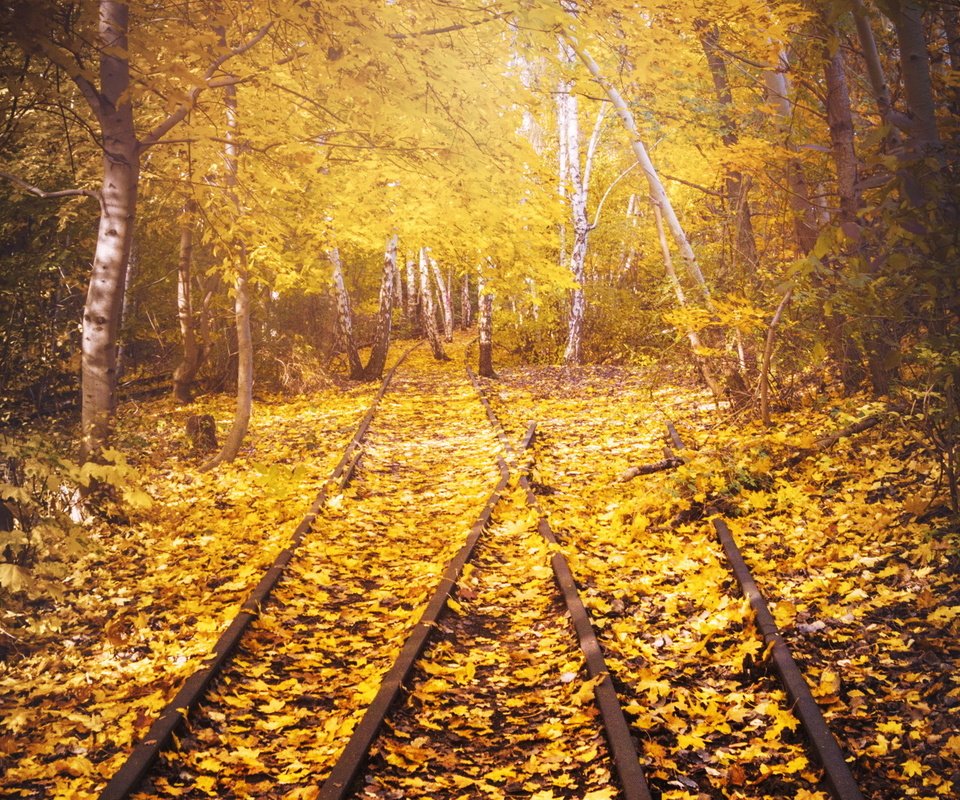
(600, 794)
(912, 768)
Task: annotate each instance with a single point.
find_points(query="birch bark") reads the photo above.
(427, 311)
(118, 207)
(345, 316)
(381, 343)
(485, 325)
(410, 308)
(657, 192)
(466, 309)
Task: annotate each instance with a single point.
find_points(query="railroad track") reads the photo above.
(700, 686)
(376, 672)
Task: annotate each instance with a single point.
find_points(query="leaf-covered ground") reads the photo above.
(860, 574)
(500, 704)
(856, 560)
(145, 605)
(286, 707)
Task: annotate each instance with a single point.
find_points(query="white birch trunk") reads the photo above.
(657, 192)
(410, 309)
(381, 343)
(118, 206)
(427, 311)
(345, 316)
(466, 309)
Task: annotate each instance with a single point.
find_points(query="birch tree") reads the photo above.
(109, 97)
(427, 311)
(345, 316)
(446, 301)
(381, 342)
(485, 328)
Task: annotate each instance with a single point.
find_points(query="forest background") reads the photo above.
(760, 196)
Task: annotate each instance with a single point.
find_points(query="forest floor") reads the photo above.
(851, 545)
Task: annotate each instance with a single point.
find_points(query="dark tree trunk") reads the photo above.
(241, 419)
(907, 18)
(736, 185)
(186, 372)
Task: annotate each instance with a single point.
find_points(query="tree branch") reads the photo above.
(459, 26)
(596, 216)
(696, 186)
(61, 57)
(177, 116)
(826, 442)
(38, 192)
(649, 469)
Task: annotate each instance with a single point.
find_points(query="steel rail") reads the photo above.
(130, 774)
(355, 754)
(623, 749)
(837, 775)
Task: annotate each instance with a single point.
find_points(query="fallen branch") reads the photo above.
(649, 469)
(826, 442)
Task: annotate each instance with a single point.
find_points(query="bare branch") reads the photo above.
(696, 186)
(460, 26)
(61, 57)
(38, 192)
(596, 217)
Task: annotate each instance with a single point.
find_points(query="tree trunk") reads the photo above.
(563, 95)
(186, 371)
(485, 325)
(411, 307)
(845, 352)
(241, 419)
(578, 252)
(907, 18)
(127, 307)
(381, 343)
(695, 344)
(878, 81)
(345, 317)
(745, 245)
(427, 311)
(397, 283)
(466, 309)
(657, 192)
(118, 206)
(443, 288)
(840, 121)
